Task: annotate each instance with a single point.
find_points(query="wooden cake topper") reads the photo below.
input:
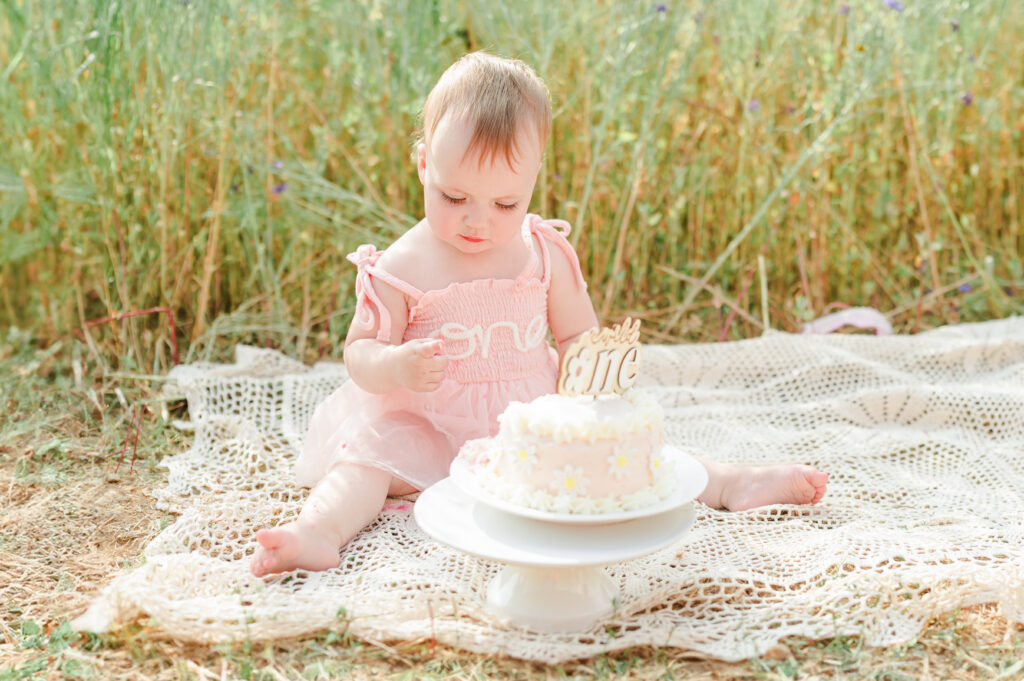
(602, 361)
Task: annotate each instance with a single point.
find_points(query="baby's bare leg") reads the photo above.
(345, 501)
(738, 488)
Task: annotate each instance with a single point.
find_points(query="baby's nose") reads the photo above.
(474, 218)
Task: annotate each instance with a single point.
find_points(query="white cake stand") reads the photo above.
(552, 580)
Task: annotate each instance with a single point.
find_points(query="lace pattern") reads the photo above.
(923, 437)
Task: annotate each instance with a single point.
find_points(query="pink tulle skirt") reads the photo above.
(412, 435)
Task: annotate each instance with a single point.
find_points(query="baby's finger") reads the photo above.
(425, 347)
(429, 385)
(430, 376)
(433, 369)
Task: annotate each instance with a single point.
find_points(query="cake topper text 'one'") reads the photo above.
(602, 361)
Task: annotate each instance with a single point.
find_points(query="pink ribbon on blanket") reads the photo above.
(858, 317)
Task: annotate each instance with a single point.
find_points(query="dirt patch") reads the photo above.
(61, 544)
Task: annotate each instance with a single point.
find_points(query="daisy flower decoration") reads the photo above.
(524, 457)
(618, 463)
(656, 462)
(570, 480)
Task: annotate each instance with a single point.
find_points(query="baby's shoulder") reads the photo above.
(404, 259)
(400, 256)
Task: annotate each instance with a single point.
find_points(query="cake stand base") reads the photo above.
(552, 580)
(552, 599)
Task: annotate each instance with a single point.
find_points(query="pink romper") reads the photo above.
(495, 336)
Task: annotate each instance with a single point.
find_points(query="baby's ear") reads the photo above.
(421, 162)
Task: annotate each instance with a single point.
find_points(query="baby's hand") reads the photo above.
(419, 365)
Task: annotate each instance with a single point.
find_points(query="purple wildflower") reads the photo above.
(964, 288)
(280, 188)
(968, 98)
(754, 105)
(278, 165)
(844, 9)
(234, 189)
(659, 7)
(954, 26)
(895, 4)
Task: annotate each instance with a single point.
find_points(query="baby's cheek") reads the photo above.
(440, 216)
(511, 223)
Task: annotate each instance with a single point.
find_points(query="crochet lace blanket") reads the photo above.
(923, 437)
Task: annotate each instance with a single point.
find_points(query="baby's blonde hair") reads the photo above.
(496, 96)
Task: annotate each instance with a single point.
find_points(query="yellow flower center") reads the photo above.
(621, 461)
(570, 483)
(523, 454)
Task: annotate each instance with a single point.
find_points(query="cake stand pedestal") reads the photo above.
(552, 580)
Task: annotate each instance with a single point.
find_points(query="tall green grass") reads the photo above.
(220, 158)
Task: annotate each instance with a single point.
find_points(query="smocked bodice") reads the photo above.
(493, 329)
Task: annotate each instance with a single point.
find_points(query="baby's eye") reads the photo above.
(507, 206)
(452, 199)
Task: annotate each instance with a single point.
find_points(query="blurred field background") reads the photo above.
(177, 177)
(218, 159)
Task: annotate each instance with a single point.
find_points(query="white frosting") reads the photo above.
(583, 417)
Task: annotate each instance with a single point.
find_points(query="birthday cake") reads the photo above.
(593, 448)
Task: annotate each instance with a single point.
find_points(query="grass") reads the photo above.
(219, 159)
(209, 164)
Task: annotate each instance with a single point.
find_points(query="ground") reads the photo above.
(76, 512)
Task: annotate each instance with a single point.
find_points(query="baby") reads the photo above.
(451, 324)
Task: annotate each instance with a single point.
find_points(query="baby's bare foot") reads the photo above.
(753, 486)
(293, 547)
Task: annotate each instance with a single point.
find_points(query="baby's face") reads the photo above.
(475, 207)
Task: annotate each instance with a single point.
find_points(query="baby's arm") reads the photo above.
(380, 367)
(570, 312)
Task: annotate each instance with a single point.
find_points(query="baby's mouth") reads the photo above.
(471, 239)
